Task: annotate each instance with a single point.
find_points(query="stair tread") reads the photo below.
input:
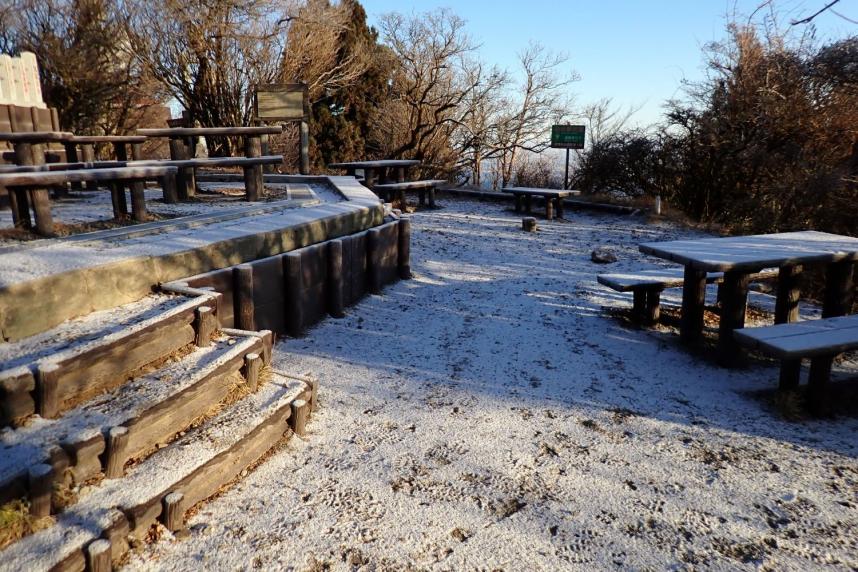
(94, 329)
(85, 520)
(25, 446)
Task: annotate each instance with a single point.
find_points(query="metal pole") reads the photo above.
(566, 176)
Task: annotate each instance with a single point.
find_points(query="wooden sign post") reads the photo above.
(284, 102)
(567, 137)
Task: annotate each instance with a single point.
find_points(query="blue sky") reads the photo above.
(634, 51)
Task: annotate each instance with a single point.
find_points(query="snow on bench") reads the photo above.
(646, 286)
(819, 340)
(423, 188)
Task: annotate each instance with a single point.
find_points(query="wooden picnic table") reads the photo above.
(372, 168)
(181, 147)
(738, 257)
(553, 199)
(29, 149)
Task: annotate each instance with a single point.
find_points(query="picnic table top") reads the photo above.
(540, 192)
(175, 132)
(108, 139)
(35, 136)
(380, 164)
(754, 252)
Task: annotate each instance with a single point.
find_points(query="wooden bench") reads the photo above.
(423, 188)
(817, 340)
(36, 182)
(553, 199)
(647, 285)
(253, 181)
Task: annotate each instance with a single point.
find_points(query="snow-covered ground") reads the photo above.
(490, 415)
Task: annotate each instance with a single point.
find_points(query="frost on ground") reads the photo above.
(489, 415)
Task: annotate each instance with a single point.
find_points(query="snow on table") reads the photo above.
(758, 251)
(489, 415)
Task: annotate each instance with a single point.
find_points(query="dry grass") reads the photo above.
(16, 522)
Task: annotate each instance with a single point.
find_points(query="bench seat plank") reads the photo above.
(425, 184)
(540, 192)
(662, 278)
(808, 339)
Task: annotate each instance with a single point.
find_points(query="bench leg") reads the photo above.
(693, 300)
(549, 208)
(432, 198)
(251, 184)
(818, 385)
(639, 303)
(733, 307)
(790, 374)
(253, 181)
(528, 203)
(652, 311)
(71, 157)
(187, 183)
(400, 197)
(137, 151)
(138, 201)
(117, 196)
(517, 203)
(839, 289)
(400, 174)
(168, 186)
(421, 197)
(19, 201)
(120, 151)
(369, 178)
(559, 207)
(42, 212)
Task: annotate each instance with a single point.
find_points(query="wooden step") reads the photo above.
(195, 466)
(128, 422)
(56, 370)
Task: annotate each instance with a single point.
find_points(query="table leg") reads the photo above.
(400, 174)
(120, 151)
(786, 311)
(432, 198)
(137, 151)
(527, 203)
(559, 207)
(369, 178)
(549, 208)
(168, 186)
(117, 198)
(839, 289)
(138, 201)
(734, 303)
(19, 202)
(421, 197)
(693, 300)
(254, 183)
(517, 203)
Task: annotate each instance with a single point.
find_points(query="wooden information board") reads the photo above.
(281, 102)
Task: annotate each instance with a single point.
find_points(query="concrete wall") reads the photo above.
(38, 304)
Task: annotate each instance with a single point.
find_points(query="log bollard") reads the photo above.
(528, 224)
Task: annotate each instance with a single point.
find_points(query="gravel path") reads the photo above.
(490, 415)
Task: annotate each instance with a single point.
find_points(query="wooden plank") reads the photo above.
(203, 131)
(411, 185)
(48, 178)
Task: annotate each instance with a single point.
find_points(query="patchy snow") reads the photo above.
(93, 328)
(489, 415)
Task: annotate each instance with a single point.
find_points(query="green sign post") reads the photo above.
(567, 137)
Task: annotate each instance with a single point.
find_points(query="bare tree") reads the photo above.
(429, 86)
(541, 100)
(88, 71)
(210, 53)
(313, 49)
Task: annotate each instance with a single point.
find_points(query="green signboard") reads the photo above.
(567, 136)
